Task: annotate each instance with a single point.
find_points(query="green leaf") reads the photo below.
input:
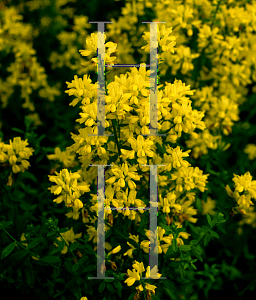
(55, 251)
(167, 229)
(75, 267)
(90, 268)
(30, 278)
(220, 215)
(19, 254)
(108, 233)
(171, 287)
(62, 230)
(51, 259)
(220, 218)
(185, 247)
(215, 234)
(6, 224)
(68, 265)
(178, 230)
(221, 228)
(169, 251)
(7, 250)
(168, 174)
(174, 245)
(82, 260)
(34, 243)
(89, 249)
(205, 229)
(110, 287)
(193, 242)
(61, 245)
(40, 158)
(132, 296)
(199, 204)
(211, 277)
(193, 266)
(101, 287)
(221, 221)
(197, 254)
(29, 175)
(182, 271)
(51, 233)
(209, 219)
(118, 285)
(142, 223)
(160, 148)
(186, 265)
(17, 130)
(73, 246)
(10, 280)
(206, 239)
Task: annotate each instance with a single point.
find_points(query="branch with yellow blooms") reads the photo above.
(245, 185)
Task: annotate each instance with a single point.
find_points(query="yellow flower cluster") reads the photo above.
(165, 40)
(16, 153)
(65, 157)
(70, 43)
(136, 273)
(208, 206)
(249, 218)
(245, 185)
(159, 235)
(228, 43)
(92, 46)
(17, 38)
(127, 103)
(250, 149)
(69, 237)
(67, 186)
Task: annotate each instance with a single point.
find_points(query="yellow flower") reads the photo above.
(133, 276)
(23, 238)
(63, 156)
(152, 273)
(115, 250)
(69, 237)
(139, 267)
(208, 206)
(250, 149)
(150, 288)
(165, 40)
(136, 239)
(17, 152)
(68, 187)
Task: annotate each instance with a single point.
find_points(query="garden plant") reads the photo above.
(50, 149)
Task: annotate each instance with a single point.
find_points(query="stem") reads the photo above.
(118, 127)
(202, 237)
(7, 193)
(199, 241)
(25, 247)
(5, 187)
(215, 13)
(116, 139)
(16, 240)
